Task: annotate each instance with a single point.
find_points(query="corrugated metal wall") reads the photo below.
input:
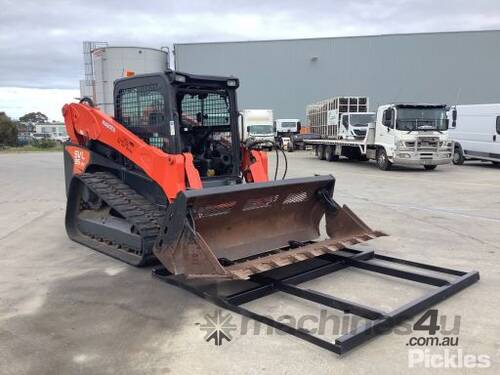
(286, 75)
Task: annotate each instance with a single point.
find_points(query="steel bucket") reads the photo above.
(238, 230)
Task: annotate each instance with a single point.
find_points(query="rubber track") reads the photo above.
(135, 209)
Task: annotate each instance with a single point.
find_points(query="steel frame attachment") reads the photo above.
(288, 278)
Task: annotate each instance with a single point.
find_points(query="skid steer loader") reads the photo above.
(168, 179)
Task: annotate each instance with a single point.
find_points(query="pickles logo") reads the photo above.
(218, 327)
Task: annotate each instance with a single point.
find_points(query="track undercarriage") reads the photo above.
(107, 215)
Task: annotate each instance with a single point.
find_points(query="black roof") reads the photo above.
(419, 105)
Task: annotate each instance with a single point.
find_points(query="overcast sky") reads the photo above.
(41, 40)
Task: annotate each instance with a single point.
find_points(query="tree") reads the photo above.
(34, 118)
(8, 131)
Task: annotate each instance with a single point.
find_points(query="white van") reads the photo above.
(475, 129)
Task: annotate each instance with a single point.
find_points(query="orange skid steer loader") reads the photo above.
(168, 179)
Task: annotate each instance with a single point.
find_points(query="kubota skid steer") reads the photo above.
(167, 178)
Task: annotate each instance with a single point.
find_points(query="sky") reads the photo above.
(41, 59)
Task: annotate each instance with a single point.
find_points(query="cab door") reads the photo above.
(344, 125)
(385, 130)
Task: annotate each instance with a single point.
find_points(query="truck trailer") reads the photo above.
(341, 117)
(405, 134)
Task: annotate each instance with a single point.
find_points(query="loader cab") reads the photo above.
(185, 113)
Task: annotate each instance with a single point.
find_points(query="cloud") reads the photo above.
(17, 101)
(41, 40)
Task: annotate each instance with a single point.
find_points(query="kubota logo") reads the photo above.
(108, 126)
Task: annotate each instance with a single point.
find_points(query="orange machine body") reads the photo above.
(172, 172)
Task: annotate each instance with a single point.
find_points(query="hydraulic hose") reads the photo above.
(252, 145)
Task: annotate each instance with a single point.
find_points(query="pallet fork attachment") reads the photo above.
(287, 280)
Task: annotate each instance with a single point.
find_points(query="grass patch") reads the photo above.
(30, 148)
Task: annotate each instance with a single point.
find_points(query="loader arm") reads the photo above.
(172, 172)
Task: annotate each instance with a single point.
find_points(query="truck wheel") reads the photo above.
(458, 155)
(497, 163)
(382, 161)
(330, 154)
(430, 167)
(321, 152)
(290, 147)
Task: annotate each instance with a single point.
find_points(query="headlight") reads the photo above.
(403, 145)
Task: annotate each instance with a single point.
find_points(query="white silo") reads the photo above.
(111, 63)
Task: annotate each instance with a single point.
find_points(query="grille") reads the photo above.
(427, 143)
(157, 141)
(141, 107)
(256, 203)
(215, 210)
(210, 109)
(296, 198)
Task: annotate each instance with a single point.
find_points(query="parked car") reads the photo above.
(61, 139)
(475, 129)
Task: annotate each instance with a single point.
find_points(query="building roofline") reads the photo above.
(135, 47)
(340, 37)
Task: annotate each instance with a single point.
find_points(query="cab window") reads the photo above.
(388, 117)
(141, 107)
(345, 121)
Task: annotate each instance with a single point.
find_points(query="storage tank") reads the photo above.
(110, 63)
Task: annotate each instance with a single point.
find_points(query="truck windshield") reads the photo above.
(421, 119)
(363, 119)
(260, 129)
(288, 124)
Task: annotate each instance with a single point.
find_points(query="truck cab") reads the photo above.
(287, 127)
(257, 125)
(411, 134)
(354, 125)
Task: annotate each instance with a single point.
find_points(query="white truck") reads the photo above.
(257, 125)
(405, 134)
(285, 128)
(475, 130)
(340, 117)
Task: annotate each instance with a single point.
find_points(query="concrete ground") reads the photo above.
(66, 309)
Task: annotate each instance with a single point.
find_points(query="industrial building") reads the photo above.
(286, 75)
(55, 130)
